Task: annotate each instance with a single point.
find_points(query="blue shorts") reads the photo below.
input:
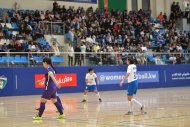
(132, 88)
(49, 94)
(91, 88)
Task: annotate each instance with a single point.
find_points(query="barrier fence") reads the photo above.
(21, 81)
(28, 59)
(52, 28)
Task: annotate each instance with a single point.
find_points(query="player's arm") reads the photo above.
(53, 78)
(125, 78)
(88, 81)
(96, 80)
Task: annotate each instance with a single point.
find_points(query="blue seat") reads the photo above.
(151, 58)
(38, 59)
(24, 59)
(3, 59)
(17, 59)
(164, 57)
(15, 26)
(57, 59)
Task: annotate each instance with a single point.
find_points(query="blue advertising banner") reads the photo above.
(106, 78)
(21, 81)
(81, 1)
(7, 82)
(179, 75)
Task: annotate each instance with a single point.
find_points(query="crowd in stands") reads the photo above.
(20, 32)
(102, 31)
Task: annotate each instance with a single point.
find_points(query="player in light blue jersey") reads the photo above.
(132, 85)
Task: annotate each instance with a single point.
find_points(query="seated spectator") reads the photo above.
(24, 46)
(32, 47)
(47, 48)
(18, 47)
(4, 47)
(160, 17)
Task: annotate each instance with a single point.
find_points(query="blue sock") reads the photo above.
(59, 100)
(59, 108)
(41, 110)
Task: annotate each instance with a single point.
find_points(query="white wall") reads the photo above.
(158, 6)
(42, 4)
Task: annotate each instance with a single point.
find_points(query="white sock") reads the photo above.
(85, 97)
(130, 106)
(137, 102)
(98, 95)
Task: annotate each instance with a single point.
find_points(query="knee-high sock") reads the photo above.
(41, 110)
(58, 106)
(59, 100)
(98, 95)
(130, 106)
(85, 96)
(137, 102)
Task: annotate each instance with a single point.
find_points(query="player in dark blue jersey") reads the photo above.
(50, 92)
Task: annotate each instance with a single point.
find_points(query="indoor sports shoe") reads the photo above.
(142, 110)
(61, 117)
(84, 100)
(37, 118)
(129, 113)
(37, 109)
(100, 100)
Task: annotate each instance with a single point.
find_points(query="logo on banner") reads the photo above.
(116, 77)
(3, 82)
(65, 80)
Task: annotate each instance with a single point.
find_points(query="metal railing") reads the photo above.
(28, 59)
(52, 28)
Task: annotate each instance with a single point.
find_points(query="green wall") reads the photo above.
(114, 4)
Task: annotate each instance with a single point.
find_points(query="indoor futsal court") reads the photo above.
(168, 107)
(94, 63)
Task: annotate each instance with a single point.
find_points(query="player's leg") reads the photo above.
(85, 95)
(59, 100)
(41, 109)
(58, 105)
(130, 103)
(130, 96)
(97, 93)
(135, 88)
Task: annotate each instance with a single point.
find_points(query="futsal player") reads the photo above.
(50, 91)
(132, 85)
(91, 81)
(58, 98)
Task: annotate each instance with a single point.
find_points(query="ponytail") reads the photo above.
(53, 67)
(49, 61)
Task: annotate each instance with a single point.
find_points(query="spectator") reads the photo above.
(32, 47)
(55, 49)
(4, 47)
(77, 55)
(160, 17)
(83, 53)
(70, 54)
(6, 17)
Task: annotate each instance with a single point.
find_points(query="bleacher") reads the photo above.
(22, 59)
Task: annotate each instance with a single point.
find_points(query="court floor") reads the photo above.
(165, 107)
